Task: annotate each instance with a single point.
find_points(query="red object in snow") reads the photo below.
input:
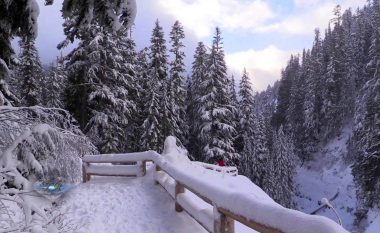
(220, 162)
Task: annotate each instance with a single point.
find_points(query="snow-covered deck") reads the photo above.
(125, 205)
(212, 198)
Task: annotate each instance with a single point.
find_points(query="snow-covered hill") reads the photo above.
(325, 176)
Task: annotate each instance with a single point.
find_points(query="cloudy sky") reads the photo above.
(258, 34)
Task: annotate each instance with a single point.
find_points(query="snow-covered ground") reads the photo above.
(326, 175)
(124, 205)
(127, 205)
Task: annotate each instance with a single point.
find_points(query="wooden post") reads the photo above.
(178, 190)
(85, 176)
(155, 174)
(143, 168)
(222, 223)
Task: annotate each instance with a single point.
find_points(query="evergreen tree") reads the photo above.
(177, 92)
(216, 111)
(158, 123)
(283, 168)
(108, 100)
(53, 84)
(30, 70)
(198, 76)
(246, 127)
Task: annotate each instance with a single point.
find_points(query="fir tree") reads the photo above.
(53, 84)
(30, 70)
(216, 111)
(158, 123)
(177, 93)
(198, 76)
(283, 168)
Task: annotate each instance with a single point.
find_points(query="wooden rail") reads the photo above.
(119, 166)
(223, 219)
(220, 213)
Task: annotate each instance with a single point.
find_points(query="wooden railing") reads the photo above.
(129, 165)
(218, 216)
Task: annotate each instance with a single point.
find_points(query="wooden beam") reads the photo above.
(250, 223)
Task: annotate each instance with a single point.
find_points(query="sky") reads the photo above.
(259, 35)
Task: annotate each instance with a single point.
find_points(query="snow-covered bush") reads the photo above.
(36, 144)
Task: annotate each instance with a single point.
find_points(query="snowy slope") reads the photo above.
(323, 177)
(326, 175)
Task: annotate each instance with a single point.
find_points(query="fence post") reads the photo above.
(178, 190)
(85, 177)
(222, 223)
(155, 174)
(142, 166)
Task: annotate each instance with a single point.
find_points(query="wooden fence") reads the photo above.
(215, 218)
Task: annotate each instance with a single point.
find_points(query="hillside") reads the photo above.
(326, 175)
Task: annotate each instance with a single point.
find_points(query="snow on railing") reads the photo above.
(225, 198)
(225, 170)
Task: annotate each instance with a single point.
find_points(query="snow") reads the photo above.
(239, 195)
(373, 221)
(323, 177)
(125, 205)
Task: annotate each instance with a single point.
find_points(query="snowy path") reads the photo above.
(125, 205)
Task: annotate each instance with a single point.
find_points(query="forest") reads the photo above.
(106, 96)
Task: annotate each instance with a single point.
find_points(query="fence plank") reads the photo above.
(254, 225)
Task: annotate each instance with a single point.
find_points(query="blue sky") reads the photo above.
(258, 34)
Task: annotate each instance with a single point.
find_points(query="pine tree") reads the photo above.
(30, 70)
(158, 123)
(366, 167)
(216, 111)
(18, 18)
(245, 140)
(129, 69)
(53, 84)
(198, 76)
(108, 100)
(283, 165)
(177, 93)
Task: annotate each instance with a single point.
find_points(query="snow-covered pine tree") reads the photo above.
(312, 102)
(112, 15)
(332, 94)
(18, 18)
(283, 168)
(108, 100)
(126, 46)
(284, 92)
(53, 84)
(157, 124)
(366, 167)
(198, 76)
(245, 140)
(30, 70)
(177, 91)
(216, 111)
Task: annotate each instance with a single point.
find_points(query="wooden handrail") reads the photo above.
(224, 213)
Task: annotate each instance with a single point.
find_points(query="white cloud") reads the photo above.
(264, 66)
(202, 16)
(310, 14)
